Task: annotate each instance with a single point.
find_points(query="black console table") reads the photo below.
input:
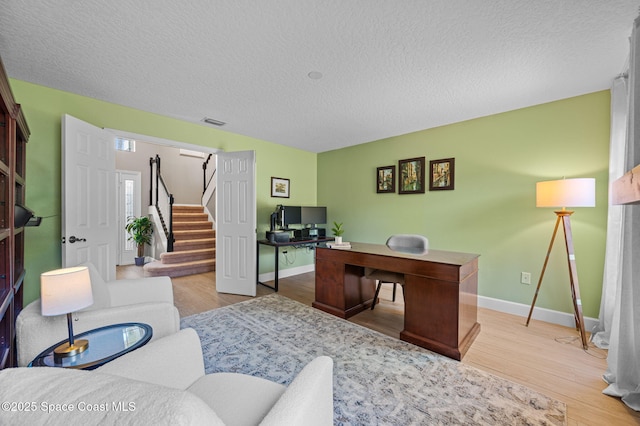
(276, 246)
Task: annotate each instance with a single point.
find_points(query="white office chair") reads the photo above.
(404, 243)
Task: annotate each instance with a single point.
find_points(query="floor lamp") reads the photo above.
(566, 193)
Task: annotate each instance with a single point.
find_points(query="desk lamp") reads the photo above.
(64, 291)
(566, 193)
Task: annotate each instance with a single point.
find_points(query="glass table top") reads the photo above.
(105, 344)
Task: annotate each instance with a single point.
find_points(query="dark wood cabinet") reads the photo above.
(14, 134)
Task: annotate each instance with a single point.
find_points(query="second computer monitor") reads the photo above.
(313, 215)
(298, 215)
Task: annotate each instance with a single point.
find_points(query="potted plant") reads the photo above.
(140, 230)
(337, 232)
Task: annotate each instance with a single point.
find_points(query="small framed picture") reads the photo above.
(442, 174)
(386, 179)
(411, 176)
(279, 187)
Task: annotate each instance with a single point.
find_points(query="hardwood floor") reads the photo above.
(546, 357)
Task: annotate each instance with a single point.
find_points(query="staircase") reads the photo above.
(194, 248)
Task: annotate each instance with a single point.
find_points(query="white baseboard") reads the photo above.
(540, 314)
(284, 273)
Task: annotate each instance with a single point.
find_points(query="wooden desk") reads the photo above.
(440, 292)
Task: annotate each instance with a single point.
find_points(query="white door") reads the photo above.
(236, 223)
(129, 199)
(88, 196)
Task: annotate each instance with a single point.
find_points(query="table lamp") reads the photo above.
(64, 291)
(566, 193)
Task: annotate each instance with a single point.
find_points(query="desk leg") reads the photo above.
(277, 261)
(275, 287)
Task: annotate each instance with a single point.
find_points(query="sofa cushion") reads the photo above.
(178, 356)
(43, 395)
(238, 399)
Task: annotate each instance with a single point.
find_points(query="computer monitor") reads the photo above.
(289, 215)
(298, 215)
(313, 215)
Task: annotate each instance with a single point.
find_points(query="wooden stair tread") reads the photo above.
(182, 256)
(194, 234)
(158, 268)
(185, 226)
(187, 209)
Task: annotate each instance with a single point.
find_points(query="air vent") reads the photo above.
(213, 121)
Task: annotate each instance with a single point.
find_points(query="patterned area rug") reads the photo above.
(377, 379)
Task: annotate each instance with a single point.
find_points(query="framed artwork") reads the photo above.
(411, 176)
(279, 187)
(442, 174)
(386, 179)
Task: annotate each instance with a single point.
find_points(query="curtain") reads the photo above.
(613, 257)
(621, 298)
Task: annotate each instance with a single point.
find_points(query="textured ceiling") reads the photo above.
(388, 67)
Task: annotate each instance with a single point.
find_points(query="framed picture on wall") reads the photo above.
(411, 176)
(279, 187)
(442, 174)
(386, 179)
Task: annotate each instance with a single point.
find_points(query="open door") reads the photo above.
(88, 196)
(236, 223)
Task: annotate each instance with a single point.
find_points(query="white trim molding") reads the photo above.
(513, 308)
(540, 314)
(284, 273)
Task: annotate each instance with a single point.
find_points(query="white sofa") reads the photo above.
(163, 383)
(146, 300)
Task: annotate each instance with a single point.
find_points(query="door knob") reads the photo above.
(73, 239)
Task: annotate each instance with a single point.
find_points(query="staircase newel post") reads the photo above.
(157, 178)
(204, 176)
(151, 203)
(170, 239)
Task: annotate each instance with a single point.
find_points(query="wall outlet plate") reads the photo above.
(525, 277)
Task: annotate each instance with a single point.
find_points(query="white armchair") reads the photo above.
(164, 383)
(146, 300)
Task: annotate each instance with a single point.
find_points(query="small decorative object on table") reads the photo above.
(337, 232)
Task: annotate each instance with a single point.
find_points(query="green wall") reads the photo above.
(491, 211)
(44, 107)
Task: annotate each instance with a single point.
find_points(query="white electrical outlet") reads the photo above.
(525, 277)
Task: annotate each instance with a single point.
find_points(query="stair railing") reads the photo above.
(162, 199)
(209, 187)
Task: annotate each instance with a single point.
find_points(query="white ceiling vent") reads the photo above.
(213, 121)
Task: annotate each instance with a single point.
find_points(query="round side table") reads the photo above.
(105, 344)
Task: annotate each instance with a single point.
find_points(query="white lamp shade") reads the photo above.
(566, 193)
(65, 290)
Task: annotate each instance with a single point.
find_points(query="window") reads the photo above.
(123, 144)
(129, 209)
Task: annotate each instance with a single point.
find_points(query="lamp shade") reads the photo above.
(65, 290)
(566, 193)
